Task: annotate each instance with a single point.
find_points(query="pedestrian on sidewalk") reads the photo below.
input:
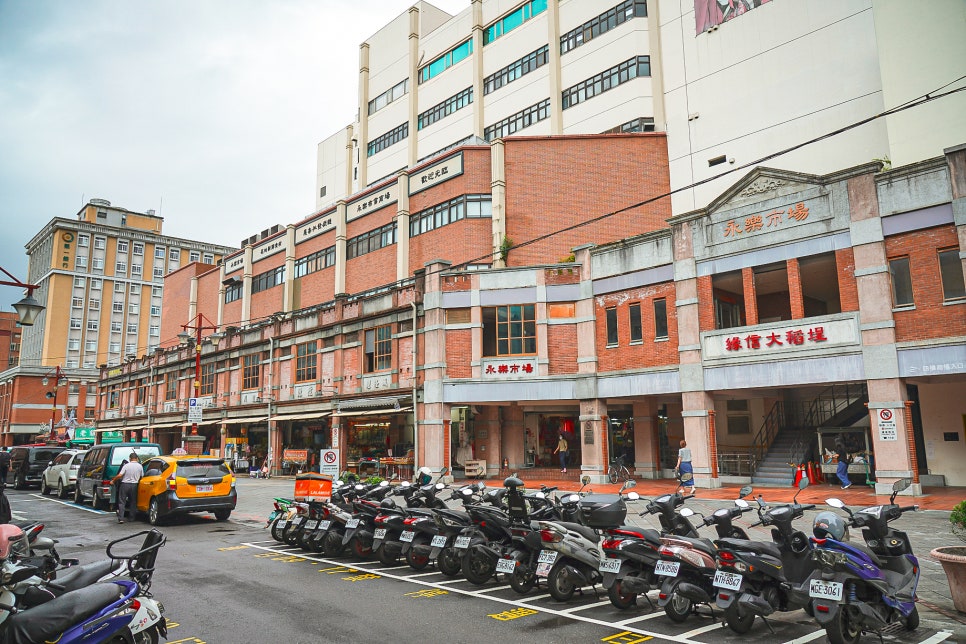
(842, 471)
(685, 470)
(4, 464)
(562, 449)
(127, 494)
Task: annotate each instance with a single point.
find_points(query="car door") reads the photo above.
(94, 465)
(57, 469)
(153, 482)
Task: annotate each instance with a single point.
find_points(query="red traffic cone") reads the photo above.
(811, 473)
(819, 474)
(798, 475)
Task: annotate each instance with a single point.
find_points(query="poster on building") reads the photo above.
(711, 13)
(887, 426)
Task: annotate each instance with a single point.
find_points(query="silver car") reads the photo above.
(61, 473)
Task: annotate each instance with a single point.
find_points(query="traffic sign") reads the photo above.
(329, 462)
(195, 411)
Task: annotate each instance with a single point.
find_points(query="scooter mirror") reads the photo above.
(803, 483)
(405, 484)
(629, 483)
(741, 503)
(901, 484)
(745, 491)
(360, 487)
(835, 503)
(633, 496)
(585, 479)
(686, 512)
(383, 483)
(574, 498)
(440, 486)
(480, 485)
(467, 492)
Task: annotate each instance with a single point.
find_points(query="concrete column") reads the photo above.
(479, 119)
(432, 413)
(795, 289)
(697, 433)
(288, 288)
(221, 296)
(340, 247)
(956, 160)
(553, 63)
(751, 296)
(246, 313)
(646, 441)
(363, 138)
(351, 143)
(498, 197)
(413, 86)
(510, 439)
(402, 227)
(591, 435)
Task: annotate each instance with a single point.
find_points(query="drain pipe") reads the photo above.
(269, 397)
(415, 414)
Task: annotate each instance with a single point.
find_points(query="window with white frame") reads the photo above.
(122, 245)
(118, 287)
(75, 323)
(80, 262)
(133, 309)
(100, 243)
(132, 327)
(137, 248)
(155, 310)
(158, 272)
(94, 304)
(95, 284)
(73, 344)
(117, 307)
(120, 267)
(174, 254)
(115, 347)
(90, 345)
(209, 258)
(130, 348)
(156, 291)
(77, 302)
(72, 364)
(136, 270)
(92, 325)
(134, 289)
(115, 327)
(88, 364)
(194, 256)
(154, 330)
(84, 240)
(78, 282)
(159, 252)
(97, 263)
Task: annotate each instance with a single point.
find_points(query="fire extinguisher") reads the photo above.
(506, 464)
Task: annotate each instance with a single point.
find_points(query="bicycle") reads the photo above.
(618, 470)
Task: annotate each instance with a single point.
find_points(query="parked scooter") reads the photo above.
(858, 588)
(758, 578)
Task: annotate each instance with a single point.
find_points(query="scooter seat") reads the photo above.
(650, 535)
(758, 547)
(456, 515)
(47, 621)
(81, 576)
(584, 531)
(864, 548)
(699, 543)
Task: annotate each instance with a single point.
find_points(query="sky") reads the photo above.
(207, 112)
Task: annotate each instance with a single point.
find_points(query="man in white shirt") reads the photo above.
(127, 495)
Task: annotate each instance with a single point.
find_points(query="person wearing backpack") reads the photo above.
(4, 464)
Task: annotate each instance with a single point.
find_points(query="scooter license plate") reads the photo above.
(506, 565)
(298, 521)
(325, 524)
(311, 525)
(462, 542)
(609, 565)
(825, 589)
(281, 524)
(352, 523)
(543, 569)
(727, 580)
(407, 536)
(547, 556)
(379, 534)
(667, 568)
(439, 541)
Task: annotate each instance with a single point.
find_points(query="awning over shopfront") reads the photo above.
(392, 402)
(165, 425)
(312, 416)
(373, 412)
(117, 429)
(241, 421)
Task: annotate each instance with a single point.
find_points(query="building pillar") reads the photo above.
(246, 313)
(479, 119)
(956, 161)
(402, 227)
(553, 63)
(413, 103)
(432, 414)
(288, 287)
(699, 437)
(591, 435)
(340, 247)
(646, 440)
(751, 296)
(498, 200)
(508, 440)
(795, 296)
(363, 142)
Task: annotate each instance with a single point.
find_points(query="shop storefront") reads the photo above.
(377, 442)
(620, 436)
(462, 436)
(542, 432)
(303, 437)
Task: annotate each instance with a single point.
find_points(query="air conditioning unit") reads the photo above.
(249, 397)
(139, 411)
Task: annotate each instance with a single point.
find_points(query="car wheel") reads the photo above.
(98, 503)
(154, 512)
(19, 482)
(78, 497)
(222, 515)
(44, 488)
(61, 490)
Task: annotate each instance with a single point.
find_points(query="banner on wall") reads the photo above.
(711, 13)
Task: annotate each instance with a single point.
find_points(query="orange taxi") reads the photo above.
(174, 485)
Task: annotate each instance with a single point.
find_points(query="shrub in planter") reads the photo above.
(953, 558)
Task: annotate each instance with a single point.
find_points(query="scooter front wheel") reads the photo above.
(448, 562)
(740, 624)
(476, 567)
(559, 585)
(276, 531)
(678, 608)
(619, 598)
(912, 622)
(332, 544)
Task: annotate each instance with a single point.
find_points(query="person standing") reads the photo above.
(842, 470)
(129, 476)
(562, 449)
(4, 464)
(685, 470)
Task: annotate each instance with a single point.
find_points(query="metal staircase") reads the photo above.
(787, 435)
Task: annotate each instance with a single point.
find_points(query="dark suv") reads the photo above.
(27, 463)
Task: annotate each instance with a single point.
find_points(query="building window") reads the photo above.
(268, 279)
(155, 310)
(100, 243)
(378, 349)
(209, 258)
(156, 291)
(132, 327)
(447, 60)
(75, 323)
(233, 292)
(78, 282)
(606, 80)
(315, 262)
(660, 319)
(170, 385)
(395, 92)
(94, 305)
(516, 69)
(611, 318)
(305, 361)
(136, 270)
(194, 256)
(118, 287)
(371, 241)
(92, 325)
(729, 299)
(97, 263)
(77, 302)
(73, 344)
(154, 330)
(90, 345)
(133, 309)
(142, 392)
(391, 137)
(634, 322)
(208, 379)
(95, 284)
(444, 109)
(115, 327)
(159, 252)
(117, 307)
(467, 206)
(602, 24)
(512, 20)
(80, 262)
(138, 249)
(158, 272)
(114, 347)
(120, 268)
(130, 349)
(640, 124)
(83, 240)
(174, 254)
(516, 122)
(901, 282)
(509, 330)
(951, 272)
(251, 371)
(122, 246)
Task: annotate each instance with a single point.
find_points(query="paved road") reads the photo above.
(230, 582)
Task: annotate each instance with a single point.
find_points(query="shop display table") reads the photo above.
(475, 469)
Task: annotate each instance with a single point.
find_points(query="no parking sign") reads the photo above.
(329, 462)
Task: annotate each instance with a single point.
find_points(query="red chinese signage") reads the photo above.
(510, 369)
(790, 337)
(773, 219)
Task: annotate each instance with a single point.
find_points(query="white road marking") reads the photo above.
(423, 574)
(381, 569)
(938, 637)
(585, 607)
(70, 504)
(703, 629)
(807, 638)
(490, 590)
(501, 600)
(640, 618)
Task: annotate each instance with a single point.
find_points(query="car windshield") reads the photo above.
(120, 455)
(45, 455)
(203, 468)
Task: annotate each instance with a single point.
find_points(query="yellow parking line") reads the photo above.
(626, 637)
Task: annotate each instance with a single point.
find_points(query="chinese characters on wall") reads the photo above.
(509, 368)
(791, 337)
(773, 219)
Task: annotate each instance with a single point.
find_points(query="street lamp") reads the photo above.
(198, 325)
(59, 376)
(28, 308)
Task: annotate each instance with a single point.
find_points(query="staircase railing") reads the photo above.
(831, 402)
(770, 427)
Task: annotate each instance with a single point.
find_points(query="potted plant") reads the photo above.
(953, 558)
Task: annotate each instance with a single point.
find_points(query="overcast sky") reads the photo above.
(208, 112)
